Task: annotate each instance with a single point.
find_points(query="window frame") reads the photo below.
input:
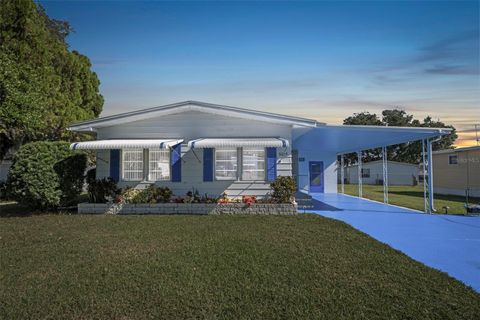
(264, 178)
(453, 156)
(146, 166)
(169, 157)
(239, 173)
(365, 173)
(122, 165)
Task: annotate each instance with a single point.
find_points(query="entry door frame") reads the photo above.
(314, 175)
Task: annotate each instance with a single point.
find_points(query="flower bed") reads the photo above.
(189, 208)
(106, 197)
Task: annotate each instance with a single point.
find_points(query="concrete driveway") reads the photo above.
(445, 242)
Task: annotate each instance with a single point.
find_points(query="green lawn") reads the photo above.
(410, 197)
(214, 267)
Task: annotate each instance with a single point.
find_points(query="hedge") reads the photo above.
(46, 175)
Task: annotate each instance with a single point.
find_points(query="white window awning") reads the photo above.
(238, 142)
(125, 144)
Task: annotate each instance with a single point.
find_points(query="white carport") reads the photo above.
(343, 139)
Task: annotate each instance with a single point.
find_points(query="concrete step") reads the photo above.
(304, 200)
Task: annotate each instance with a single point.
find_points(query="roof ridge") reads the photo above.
(194, 103)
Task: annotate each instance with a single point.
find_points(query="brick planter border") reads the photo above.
(188, 208)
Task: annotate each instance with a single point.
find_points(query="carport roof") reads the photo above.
(345, 139)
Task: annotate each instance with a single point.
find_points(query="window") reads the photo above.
(365, 173)
(132, 165)
(253, 164)
(453, 160)
(226, 164)
(158, 165)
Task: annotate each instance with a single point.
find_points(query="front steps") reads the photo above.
(304, 201)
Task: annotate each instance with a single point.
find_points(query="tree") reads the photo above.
(406, 152)
(44, 86)
(363, 118)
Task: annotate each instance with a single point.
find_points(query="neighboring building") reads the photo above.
(217, 149)
(456, 171)
(399, 173)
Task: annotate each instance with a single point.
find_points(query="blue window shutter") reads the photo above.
(271, 164)
(115, 164)
(207, 164)
(177, 163)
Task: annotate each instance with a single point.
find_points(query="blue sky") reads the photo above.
(322, 60)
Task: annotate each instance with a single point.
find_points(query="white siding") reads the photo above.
(193, 125)
(398, 173)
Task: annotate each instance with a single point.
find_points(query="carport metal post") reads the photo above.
(430, 176)
(360, 182)
(342, 172)
(424, 167)
(385, 174)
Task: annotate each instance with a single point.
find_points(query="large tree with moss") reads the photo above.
(44, 85)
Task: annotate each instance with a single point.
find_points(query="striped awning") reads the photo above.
(125, 144)
(238, 142)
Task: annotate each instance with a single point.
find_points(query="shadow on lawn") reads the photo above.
(13, 209)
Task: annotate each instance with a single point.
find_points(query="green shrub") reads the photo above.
(3, 191)
(151, 194)
(46, 175)
(164, 194)
(132, 195)
(100, 190)
(71, 172)
(91, 175)
(283, 189)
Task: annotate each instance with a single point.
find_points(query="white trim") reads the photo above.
(238, 143)
(125, 144)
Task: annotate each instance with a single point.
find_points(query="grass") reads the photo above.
(410, 197)
(214, 267)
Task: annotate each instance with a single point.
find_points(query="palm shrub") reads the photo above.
(45, 175)
(283, 189)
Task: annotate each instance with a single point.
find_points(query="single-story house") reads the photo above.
(216, 148)
(399, 173)
(458, 170)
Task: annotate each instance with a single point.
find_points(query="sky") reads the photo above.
(320, 60)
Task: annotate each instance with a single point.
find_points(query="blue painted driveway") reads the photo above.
(445, 242)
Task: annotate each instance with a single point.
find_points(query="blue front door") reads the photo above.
(316, 176)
